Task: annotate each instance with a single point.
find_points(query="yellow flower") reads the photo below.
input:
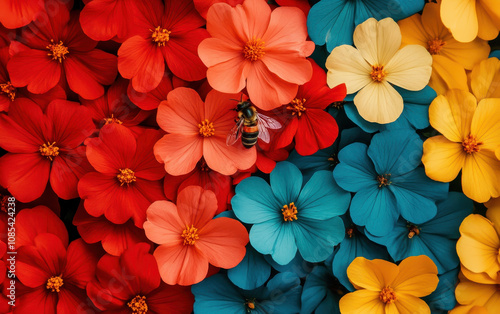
(476, 298)
(449, 57)
(467, 19)
(383, 287)
(470, 136)
(375, 63)
(485, 79)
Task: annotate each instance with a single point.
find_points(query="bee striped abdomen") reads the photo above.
(249, 135)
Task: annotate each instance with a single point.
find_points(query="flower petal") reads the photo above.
(379, 102)
(181, 264)
(410, 68)
(346, 65)
(417, 276)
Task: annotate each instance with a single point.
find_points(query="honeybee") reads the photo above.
(250, 126)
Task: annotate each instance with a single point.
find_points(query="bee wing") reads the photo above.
(235, 133)
(268, 122)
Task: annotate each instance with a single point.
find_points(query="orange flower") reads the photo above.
(198, 130)
(190, 239)
(264, 51)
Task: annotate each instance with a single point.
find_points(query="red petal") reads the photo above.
(104, 19)
(136, 262)
(71, 298)
(67, 169)
(144, 163)
(81, 263)
(171, 299)
(17, 13)
(39, 300)
(317, 130)
(181, 17)
(152, 99)
(196, 206)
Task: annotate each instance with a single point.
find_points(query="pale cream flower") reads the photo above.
(375, 63)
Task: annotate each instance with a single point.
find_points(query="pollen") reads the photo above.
(435, 46)
(206, 128)
(111, 120)
(297, 106)
(57, 51)
(289, 212)
(250, 304)
(54, 283)
(138, 305)
(384, 180)
(254, 49)
(49, 150)
(350, 232)
(470, 144)
(9, 90)
(413, 231)
(387, 295)
(378, 73)
(160, 36)
(126, 176)
(190, 235)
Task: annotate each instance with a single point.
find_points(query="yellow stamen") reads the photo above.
(289, 212)
(57, 51)
(387, 295)
(250, 304)
(9, 90)
(435, 46)
(471, 145)
(190, 235)
(254, 49)
(138, 305)
(49, 150)
(378, 73)
(160, 36)
(297, 106)
(54, 283)
(206, 128)
(383, 180)
(126, 176)
(350, 232)
(413, 231)
(112, 120)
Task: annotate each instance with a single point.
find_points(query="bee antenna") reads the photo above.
(234, 99)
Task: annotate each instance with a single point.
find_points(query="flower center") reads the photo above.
(112, 120)
(57, 51)
(190, 235)
(435, 46)
(387, 295)
(297, 106)
(54, 283)
(49, 150)
(254, 49)
(413, 231)
(289, 212)
(350, 232)
(383, 180)
(203, 165)
(4, 200)
(471, 145)
(206, 128)
(378, 73)
(333, 160)
(138, 305)
(250, 304)
(160, 36)
(338, 104)
(126, 176)
(9, 90)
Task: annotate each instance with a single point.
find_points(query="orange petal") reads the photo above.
(417, 276)
(373, 275)
(179, 152)
(493, 214)
(408, 304)
(287, 26)
(442, 158)
(446, 75)
(196, 206)
(229, 76)
(412, 31)
(488, 21)
(181, 264)
(485, 79)
(361, 301)
(480, 176)
(181, 112)
(471, 293)
(227, 159)
(163, 225)
(486, 123)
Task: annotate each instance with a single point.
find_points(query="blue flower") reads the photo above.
(321, 293)
(436, 238)
(287, 216)
(495, 54)
(388, 182)
(217, 294)
(443, 299)
(333, 21)
(415, 113)
(297, 266)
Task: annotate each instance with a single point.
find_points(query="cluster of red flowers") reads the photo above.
(127, 105)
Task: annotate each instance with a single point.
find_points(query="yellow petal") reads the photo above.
(417, 276)
(475, 294)
(410, 68)
(466, 54)
(485, 79)
(412, 31)
(452, 114)
(461, 18)
(480, 176)
(407, 304)
(379, 102)
(487, 29)
(431, 21)
(493, 214)
(346, 65)
(486, 123)
(478, 245)
(361, 301)
(467, 309)
(446, 75)
(377, 41)
(442, 158)
(373, 275)
(479, 277)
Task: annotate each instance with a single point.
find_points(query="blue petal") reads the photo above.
(330, 304)
(252, 272)
(375, 208)
(397, 9)
(352, 135)
(316, 238)
(286, 182)
(395, 152)
(255, 202)
(450, 214)
(421, 97)
(416, 115)
(275, 238)
(352, 113)
(297, 266)
(308, 165)
(217, 294)
(284, 295)
(495, 54)
(443, 298)
(355, 171)
(322, 198)
(315, 289)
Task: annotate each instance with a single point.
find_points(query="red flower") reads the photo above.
(202, 6)
(42, 145)
(301, 4)
(17, 13)
(114, 238)
(306, 121)
(127, 177)
(55, 276)
(131, 283)
(152, 99)
(53, 49)
(167, 33)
